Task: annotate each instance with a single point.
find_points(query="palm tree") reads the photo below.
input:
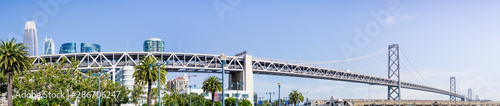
(13, 59)
(211, 85)
(295, 96)
(146, 72)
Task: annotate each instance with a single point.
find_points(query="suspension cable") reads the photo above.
(414, 67)
(411, 74)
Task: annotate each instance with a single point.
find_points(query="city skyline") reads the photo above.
(441, 38)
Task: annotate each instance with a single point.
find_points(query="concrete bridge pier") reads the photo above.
(246, 77)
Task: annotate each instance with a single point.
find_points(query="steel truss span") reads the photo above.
(192, 62)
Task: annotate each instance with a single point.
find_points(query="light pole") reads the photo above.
(159, 84)
(237, 94)
(279, 93)
(223, 58)
(190, 93)
(270, 96)
(98, 72)
(99, 84)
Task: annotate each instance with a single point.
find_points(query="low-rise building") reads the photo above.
(178, 84)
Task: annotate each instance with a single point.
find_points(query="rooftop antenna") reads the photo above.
(179, 46)
(217, 48)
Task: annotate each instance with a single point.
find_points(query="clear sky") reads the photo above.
(441, 38)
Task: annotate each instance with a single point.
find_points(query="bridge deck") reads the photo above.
(212, 63)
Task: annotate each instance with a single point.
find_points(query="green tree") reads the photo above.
(275, 103)
(211, 85)
(147, 73)
(230, 101)
(198, 100)
(63, 77)
(109, 86)
(136, 94)
(154, 94)
(54, 78)
(295, 97)
(3, 83)
(265, 103)
(245, 103)
(13, 60)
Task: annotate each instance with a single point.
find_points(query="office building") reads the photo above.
(125, 77)
(154, 45)
(68, 48)
(48, 47)
(30, 38)
(90, 48)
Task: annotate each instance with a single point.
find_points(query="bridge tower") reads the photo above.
(394, 92)
(453, 88)
(469, 95)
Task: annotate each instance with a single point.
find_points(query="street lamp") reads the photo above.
(159, 84)
(237, 94)
(279, 93)
(99, 84)
(98, 72)
(223, 58)
(190, 93)
(270, 96)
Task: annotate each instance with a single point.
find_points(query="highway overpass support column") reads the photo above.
(248, 77)
(235, 76)
(245, 76)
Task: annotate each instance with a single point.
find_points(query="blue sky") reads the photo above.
(441, 38)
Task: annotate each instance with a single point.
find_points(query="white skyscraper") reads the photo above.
(48, 46)
(31, 38)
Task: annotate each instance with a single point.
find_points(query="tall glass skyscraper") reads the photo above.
(90, 47)
(48, 47)
(30, 38)
(154, 45)
(68, 48)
